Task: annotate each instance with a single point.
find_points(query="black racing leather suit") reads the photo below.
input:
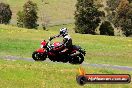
(67, 41)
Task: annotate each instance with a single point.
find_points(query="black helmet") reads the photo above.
(63, 31)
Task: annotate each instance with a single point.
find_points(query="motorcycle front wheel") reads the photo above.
(38, 56)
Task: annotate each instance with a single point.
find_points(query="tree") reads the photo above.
(106, 29)
(87, 17)
(122, 8)
(20, 19)
(113, 4)
(28, 17)
(5, 13)
(130, 1)
(122, 17)
(127, 23)
(44, 17)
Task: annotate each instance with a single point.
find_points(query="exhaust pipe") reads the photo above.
(75, 54)
(82, 51)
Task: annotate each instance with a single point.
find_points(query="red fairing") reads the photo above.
(56, 44)
(41, 50)
(43, 43)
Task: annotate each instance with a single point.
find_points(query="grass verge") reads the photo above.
(100, 49)
(21, 74)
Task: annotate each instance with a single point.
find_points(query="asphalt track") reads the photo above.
(125, 68)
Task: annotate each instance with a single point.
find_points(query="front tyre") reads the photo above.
(38, 56)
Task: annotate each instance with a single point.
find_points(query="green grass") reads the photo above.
(21, 74)
(100, 49)
(22, 42)
(57, 11)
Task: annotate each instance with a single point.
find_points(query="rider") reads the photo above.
(67, 41)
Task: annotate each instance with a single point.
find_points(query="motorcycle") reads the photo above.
(54, 53)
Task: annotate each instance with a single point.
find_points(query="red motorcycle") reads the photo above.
(53, 52)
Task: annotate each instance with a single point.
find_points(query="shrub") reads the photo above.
(106, 29)
(28, 17)
(5, 13)
(87, 17)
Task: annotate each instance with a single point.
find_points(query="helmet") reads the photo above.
(63, 31)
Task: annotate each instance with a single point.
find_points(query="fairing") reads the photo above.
(41, 50)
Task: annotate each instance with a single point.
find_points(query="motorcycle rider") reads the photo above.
(67, 41)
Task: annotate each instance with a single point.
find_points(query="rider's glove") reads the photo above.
(50, 38)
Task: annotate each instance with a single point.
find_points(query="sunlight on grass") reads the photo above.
(16, 74)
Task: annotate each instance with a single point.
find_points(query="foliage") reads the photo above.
(20, 19)
(5, 13)
(87, 17)
(122, 8)
(56, 11)
(113, 4)
(122, 17)
(28, 17)
(130, 1)
(106, 29)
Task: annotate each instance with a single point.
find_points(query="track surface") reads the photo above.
(127, 68)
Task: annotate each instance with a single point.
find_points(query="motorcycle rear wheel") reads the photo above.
(77, 59)
(38, 56)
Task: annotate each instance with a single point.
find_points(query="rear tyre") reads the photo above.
(38, 56)
(81, 59)
(77, 59)
(64, 58)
